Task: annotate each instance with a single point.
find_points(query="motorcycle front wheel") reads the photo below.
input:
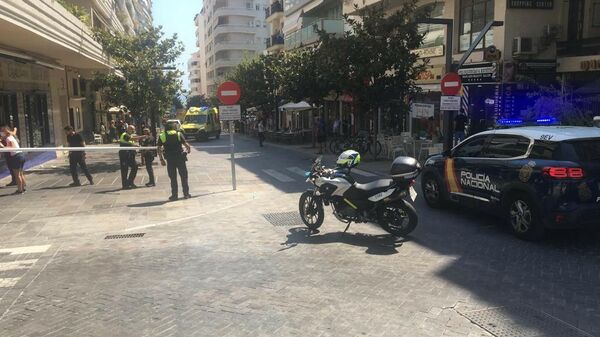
(311, 210)
(398, 219)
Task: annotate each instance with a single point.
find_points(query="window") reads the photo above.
(471, 148)
(257, 7)
(75, 87)
(506, 146)
(474, 14)
(433, 34)
(543, 150)
(248, 5)
(596, 14)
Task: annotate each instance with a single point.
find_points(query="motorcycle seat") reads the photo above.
(374, 187)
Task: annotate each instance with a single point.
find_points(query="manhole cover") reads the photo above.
(522, 321)
(284, 219)
(124, 236)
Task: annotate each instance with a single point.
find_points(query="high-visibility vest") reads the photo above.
(122, 139)
(163, 135)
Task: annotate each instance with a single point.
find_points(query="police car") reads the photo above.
(537, 177)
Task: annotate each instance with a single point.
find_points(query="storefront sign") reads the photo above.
(422, 110)
(531, 4)
(450, 103)
(590, 65)
(430, 51)
(19, 72)
(432, 74)
(479, 72)
(578, 63)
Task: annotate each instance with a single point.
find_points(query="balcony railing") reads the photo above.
(310, 34)
(275, 7)
(275, 40)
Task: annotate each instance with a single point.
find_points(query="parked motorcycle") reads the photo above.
(381, 201)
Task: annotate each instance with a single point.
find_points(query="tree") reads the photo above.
(197, 101)
(374, 61)
(145, 79)
(253, 76)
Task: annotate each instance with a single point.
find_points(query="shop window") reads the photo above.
(75, 87)
(474, 15)
(36, 112)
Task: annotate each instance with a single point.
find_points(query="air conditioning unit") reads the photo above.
(523, 46)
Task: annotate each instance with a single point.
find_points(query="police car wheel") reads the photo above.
(523, 218)
(432, 191)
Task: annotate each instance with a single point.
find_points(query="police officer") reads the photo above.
(172, 141)
(127, 157)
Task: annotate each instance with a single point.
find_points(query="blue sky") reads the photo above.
(177, 16)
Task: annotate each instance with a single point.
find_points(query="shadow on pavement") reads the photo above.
(558, 276)
(149, 204)
(383, 244)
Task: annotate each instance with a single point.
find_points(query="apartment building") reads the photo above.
(227, 31)
(195, 74)
(303, 19)
(495, 75)
(47, 60)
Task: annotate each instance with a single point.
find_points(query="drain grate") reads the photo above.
(283, 219)
(521, 321)
(124, 236)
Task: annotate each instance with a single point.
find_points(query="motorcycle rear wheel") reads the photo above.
(311, 210)
(398, 219)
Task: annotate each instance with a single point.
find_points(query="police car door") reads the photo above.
(461, 169)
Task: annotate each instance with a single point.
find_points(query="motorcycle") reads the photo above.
(381, 201)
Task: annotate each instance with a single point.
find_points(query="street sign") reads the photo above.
(230, 112)
(451, 84)
(450, 103)
(229, 93)
(420, 110)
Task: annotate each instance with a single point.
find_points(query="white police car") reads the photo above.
(536, 177)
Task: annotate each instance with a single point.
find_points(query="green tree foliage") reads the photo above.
(145, 79)
(197, 101)
(256, 82)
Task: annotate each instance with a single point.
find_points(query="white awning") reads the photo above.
(296, 106)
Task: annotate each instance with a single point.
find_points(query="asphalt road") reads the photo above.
(240, 263)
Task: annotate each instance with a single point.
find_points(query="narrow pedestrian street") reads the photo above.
(240, 263)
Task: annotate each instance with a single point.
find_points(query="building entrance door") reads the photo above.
(8, 110)
(36, 118)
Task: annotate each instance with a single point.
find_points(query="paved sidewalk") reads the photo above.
(241, 263)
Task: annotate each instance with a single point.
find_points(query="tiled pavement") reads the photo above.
(214, 266)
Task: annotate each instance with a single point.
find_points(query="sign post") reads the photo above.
(229, 94)
(450, 103)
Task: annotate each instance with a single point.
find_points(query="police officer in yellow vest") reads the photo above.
(172, 141)
(127, 157)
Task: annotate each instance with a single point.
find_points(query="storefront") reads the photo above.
(580, 80)
(24, 101)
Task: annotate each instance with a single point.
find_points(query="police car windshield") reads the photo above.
(198, 119)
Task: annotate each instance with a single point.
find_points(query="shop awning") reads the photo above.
(300, 106)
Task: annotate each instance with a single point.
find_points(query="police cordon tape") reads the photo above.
(94, 148)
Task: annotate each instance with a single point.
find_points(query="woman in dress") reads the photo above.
(15, 159)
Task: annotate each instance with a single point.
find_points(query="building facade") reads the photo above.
(47, 60)
(498, 76)
(228, 31)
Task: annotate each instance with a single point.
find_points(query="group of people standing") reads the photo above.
(169, 149)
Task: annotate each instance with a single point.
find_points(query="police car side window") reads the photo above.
(472, 148)
(506, 146)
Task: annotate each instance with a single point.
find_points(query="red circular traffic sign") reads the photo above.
(229, 93)
(451, 84)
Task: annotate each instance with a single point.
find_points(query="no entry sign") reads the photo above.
(229, 93)
(451, 84)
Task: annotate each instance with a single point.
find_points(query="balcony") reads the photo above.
(46, 28)
(275, 41)
(274, 11)
(225, 28)
(308, 35)
(234, 45)
(238, 11)
(225, 62)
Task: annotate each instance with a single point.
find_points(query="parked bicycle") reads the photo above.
(363, 143)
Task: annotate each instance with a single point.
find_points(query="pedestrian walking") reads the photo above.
(148, 156)
(460, 123)
(103, 132)
(172, 141)
(77, 158)
(112, 131)
(127, 158)
(16, 159)
(321, 134)
(261, 132)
